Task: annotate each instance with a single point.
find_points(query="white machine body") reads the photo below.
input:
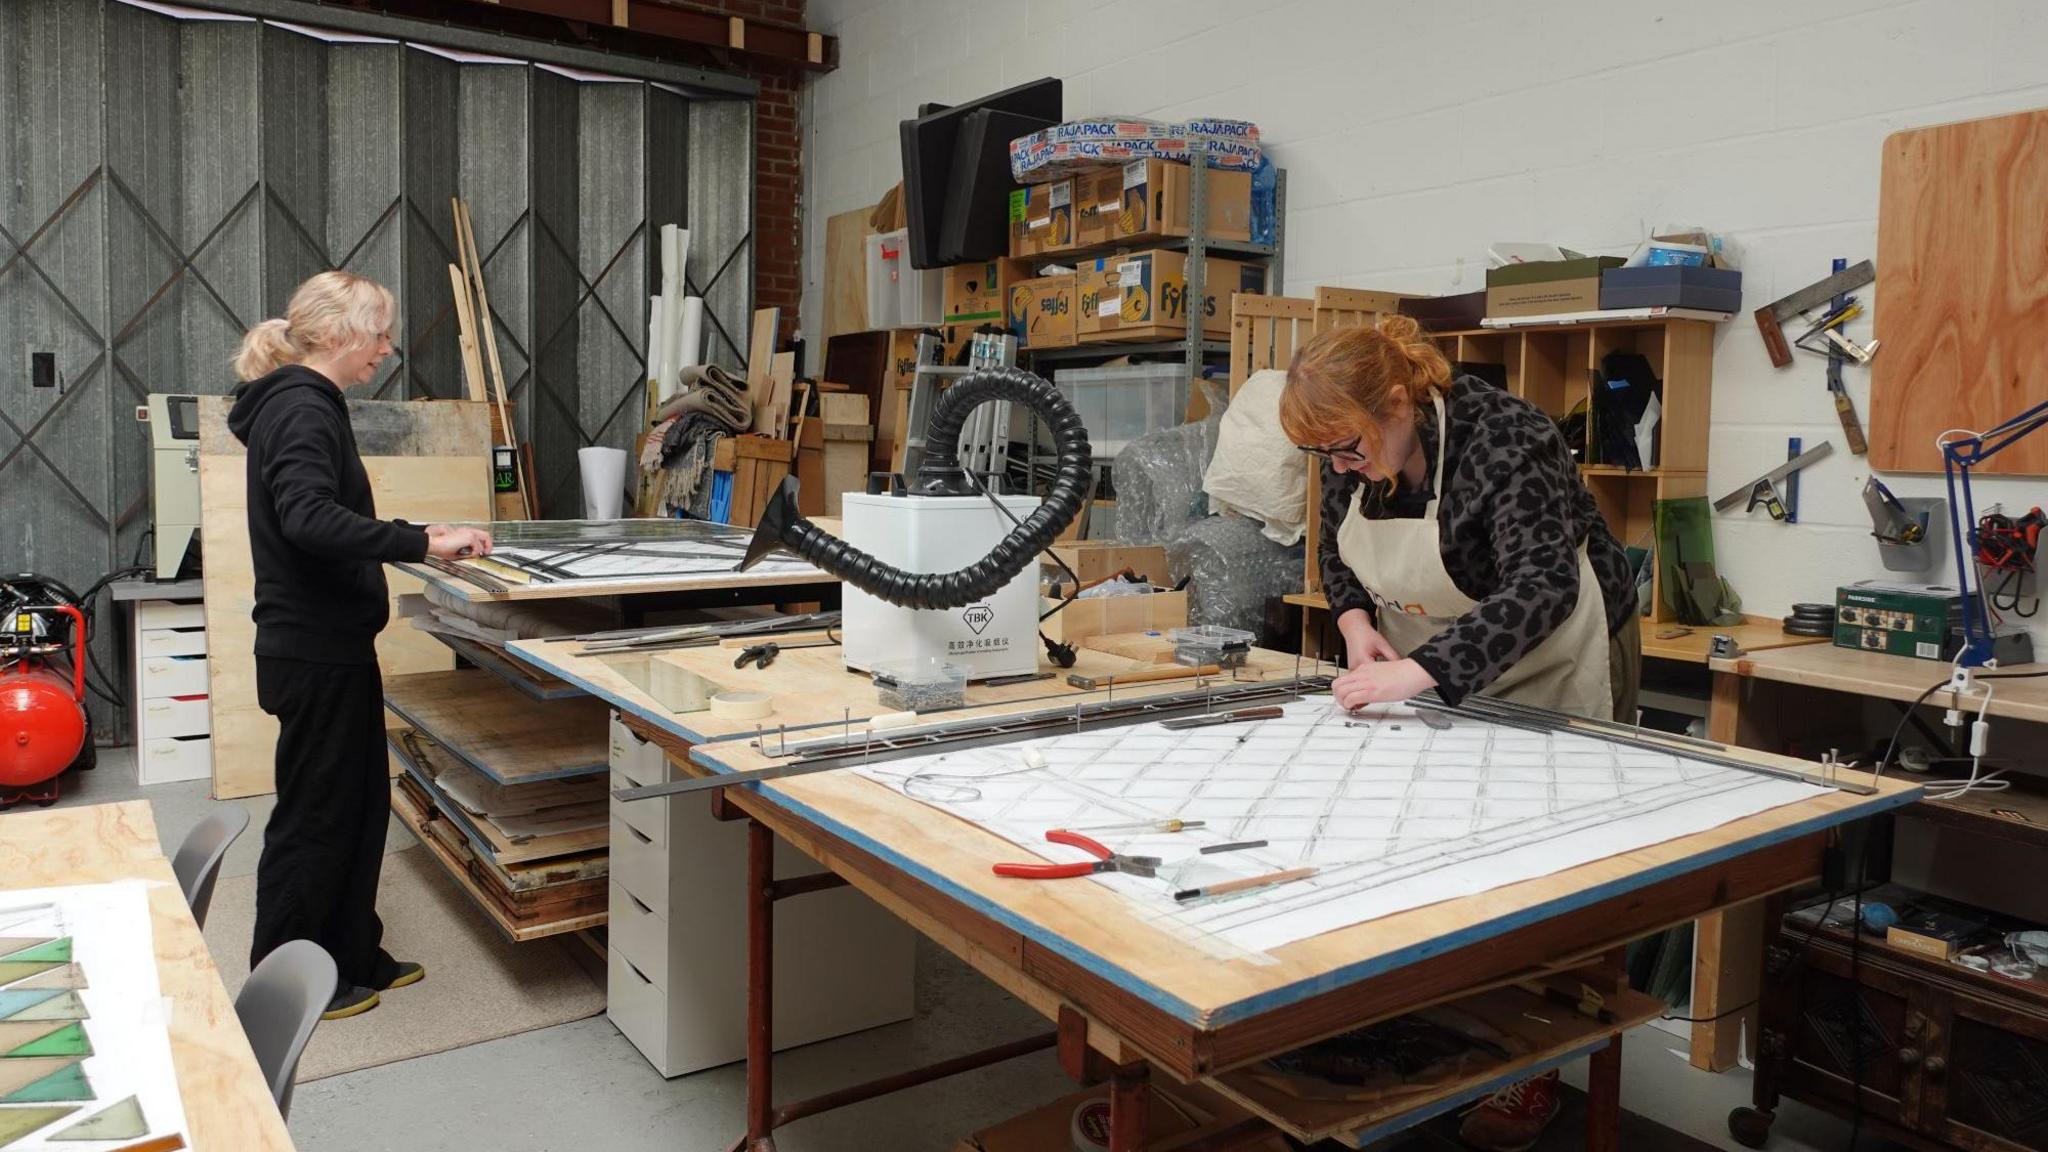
(996, 636)
(173, 477)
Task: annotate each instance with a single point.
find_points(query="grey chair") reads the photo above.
(198, 860)
(279, 1007)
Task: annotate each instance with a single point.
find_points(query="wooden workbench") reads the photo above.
(1753, 696)
(1072, 951)
(227, 1103)
(1754, 634)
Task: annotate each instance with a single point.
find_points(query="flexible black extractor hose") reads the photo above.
(940, 474)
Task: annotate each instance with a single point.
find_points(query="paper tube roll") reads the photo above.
(689, 351)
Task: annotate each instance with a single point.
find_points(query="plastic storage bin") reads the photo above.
(1120, 404)
(900, 296)
(921, 685)
(1211, 644)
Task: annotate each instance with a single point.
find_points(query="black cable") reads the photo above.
(1063, 655)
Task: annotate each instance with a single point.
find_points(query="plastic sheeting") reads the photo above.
(1159, 478)
(1233, 570)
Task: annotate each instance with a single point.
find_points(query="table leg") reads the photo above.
(1127, 1103)
(1603, 1099)
(760, 987)
(1728, 951)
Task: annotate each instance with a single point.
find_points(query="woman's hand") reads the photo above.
(447, 542)
(1380, 682)
(1363, 643)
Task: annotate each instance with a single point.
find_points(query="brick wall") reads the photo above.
(1417, 132)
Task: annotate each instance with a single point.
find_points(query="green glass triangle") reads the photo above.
(70, 1040)
(15, 1033)
(12, 970)
(12, 1001)
(56, 951)
(18, 1122)
(123, 1121)
(65, 1005)
(67, 1083)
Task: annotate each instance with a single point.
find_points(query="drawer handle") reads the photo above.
(637, 973)
(1908, 1057)
(642, 837)
(638, 904)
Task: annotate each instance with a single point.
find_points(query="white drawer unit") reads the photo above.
(170, 614)
(172, 642)
(172, 676)
(676, 982)
(171, 720)
(166, 717)
(170, 759)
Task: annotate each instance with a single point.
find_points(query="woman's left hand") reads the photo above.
(1380, 682)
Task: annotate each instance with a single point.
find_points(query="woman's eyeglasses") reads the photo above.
(1339, 454)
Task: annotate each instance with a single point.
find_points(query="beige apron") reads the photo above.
(1400, 562)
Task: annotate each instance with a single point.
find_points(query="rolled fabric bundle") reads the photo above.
(712, 390)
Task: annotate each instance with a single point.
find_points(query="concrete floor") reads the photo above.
(582, 1085)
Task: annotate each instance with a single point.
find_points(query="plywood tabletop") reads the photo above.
(1887, 677)
(1756, 634)
(1190, 978)
(1088, 927)
(227, 1102)
(813, 687)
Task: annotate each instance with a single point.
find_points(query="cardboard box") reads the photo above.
(978, 293)
(1173, 1119)
(1142, 296)
(1546, 287)
(1041, 312)
(1093, 560)
(1042, 218)
(1148, 200)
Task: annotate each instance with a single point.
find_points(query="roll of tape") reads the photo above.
(742, 705)
(1088, 1129)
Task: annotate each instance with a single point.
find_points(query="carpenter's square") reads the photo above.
(1770, 319)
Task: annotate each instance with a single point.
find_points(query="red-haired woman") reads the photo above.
(1461, 552)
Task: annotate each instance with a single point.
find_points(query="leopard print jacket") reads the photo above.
(1512, 517)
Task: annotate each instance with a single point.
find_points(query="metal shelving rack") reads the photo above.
(1195, 347)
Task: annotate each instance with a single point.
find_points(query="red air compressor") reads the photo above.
(43, 725)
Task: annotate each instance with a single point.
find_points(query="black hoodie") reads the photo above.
(317, 546)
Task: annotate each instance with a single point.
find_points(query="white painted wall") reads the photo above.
(1415, 133)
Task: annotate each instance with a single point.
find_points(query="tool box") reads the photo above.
(1924, 621)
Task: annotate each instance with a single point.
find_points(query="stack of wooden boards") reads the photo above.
(508, 791)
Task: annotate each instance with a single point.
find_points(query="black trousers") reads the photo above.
(317, 879)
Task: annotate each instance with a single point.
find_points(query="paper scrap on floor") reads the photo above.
(1396, 815)
(85, 1053)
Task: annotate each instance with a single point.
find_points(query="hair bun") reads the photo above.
(1403, 330)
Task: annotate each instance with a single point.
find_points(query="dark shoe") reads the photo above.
(409, 972)
(353, 1000)
(1513, 1119)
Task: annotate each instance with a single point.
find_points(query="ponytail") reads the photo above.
(266, 348)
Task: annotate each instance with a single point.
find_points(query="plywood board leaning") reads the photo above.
(1962, 223)
(427, 462)
(846, 281)
(761, 363)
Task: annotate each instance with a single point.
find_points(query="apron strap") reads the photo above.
(1443, 437)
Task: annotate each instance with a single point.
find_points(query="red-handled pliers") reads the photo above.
(1105, 861)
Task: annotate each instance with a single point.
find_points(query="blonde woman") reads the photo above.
(318, 551)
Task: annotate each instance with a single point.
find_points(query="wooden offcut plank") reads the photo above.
(428, 463)
(586, 912)
(500, 731)
(1962, 226)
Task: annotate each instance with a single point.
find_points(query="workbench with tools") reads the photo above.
(1137, 981)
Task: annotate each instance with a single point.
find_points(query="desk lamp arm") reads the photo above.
(1958, 457)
